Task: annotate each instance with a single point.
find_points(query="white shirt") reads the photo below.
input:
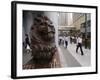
(79, 40)
(60, 37)
(66, 38)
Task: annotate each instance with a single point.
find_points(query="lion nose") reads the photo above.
(51, 29)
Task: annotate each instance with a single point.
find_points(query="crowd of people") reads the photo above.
(66, 40)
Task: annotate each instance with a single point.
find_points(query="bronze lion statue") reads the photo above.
(42, 36)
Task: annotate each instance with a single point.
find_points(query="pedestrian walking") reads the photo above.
(66, 41)
(27, 43)
(79, 45)
(27, 40)
(60, 40)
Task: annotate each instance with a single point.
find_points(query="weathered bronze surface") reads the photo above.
(42, 35)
